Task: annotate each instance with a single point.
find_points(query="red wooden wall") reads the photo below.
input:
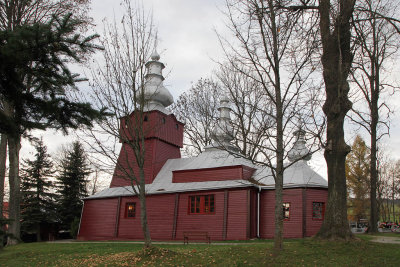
(163, 140)
(314, 195)
(160, 218)
(212, 174)
(158, 125)
(293, 227)
(98, 219)
(157, 153)
(235, 216)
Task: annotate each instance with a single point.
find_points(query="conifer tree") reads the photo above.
(35, 81)
(72, 180)
(37, 197)
(358, 178)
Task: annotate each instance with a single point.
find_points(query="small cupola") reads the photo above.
(222, 134)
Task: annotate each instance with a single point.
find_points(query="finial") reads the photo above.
(155, 56)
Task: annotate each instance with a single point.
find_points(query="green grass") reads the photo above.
(301, 252)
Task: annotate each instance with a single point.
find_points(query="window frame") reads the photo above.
(322, 211)
(283, 211)
(127, 204)
(204, 205)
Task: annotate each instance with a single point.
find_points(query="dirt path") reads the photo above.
(386, 239)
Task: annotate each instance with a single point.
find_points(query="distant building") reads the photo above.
(216, 192)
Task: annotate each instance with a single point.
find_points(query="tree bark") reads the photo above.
(14, 145)
(336, 61)
(3, 159)
(38, 236)
(143, 211)
(373, 227)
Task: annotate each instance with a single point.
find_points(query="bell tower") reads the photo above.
(163, 133)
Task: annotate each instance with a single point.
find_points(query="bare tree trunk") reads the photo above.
(278, 236)
(38, 236)
(143, 211)
(14, 145)
(373, 228)
(336, 61)
(3, 158)
(393, 192)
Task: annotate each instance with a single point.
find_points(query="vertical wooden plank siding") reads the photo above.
(225, 221)
(98, 219)
(211, 222)
(117, 217)
(314, 195)
(237, 226)
(253, 213)
(175, 216)
(248, 214)
(304, 200)
(292, 228)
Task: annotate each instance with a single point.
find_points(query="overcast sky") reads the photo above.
(188, 45)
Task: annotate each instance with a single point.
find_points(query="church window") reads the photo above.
(145, 118)
(130, 210)
(286, 211)
(318, 210)
(201, 204)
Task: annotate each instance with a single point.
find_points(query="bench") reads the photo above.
(196, 236)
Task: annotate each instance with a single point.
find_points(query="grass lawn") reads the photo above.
(306, 252)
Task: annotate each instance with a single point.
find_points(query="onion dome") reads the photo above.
(157, 97)
(299, 149)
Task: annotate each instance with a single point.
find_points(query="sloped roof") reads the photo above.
(298, 174)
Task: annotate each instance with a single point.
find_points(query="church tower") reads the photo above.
(163, 133)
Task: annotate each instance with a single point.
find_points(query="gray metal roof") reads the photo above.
(297, 175)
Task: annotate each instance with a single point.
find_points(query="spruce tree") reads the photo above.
(37, 205)
(72, 181)
(35, 81)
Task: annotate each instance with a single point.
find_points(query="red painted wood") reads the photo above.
(211, 223)
(163, 139)
(314, 195)
(160, 214)
(158, 125)
(237, 215)
(98, 219)
(292, 228)
(212, 174)
(99, 216)
(247, 172)
(157, 153)
(253, 213)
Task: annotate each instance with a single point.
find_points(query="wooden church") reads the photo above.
(225, 196)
